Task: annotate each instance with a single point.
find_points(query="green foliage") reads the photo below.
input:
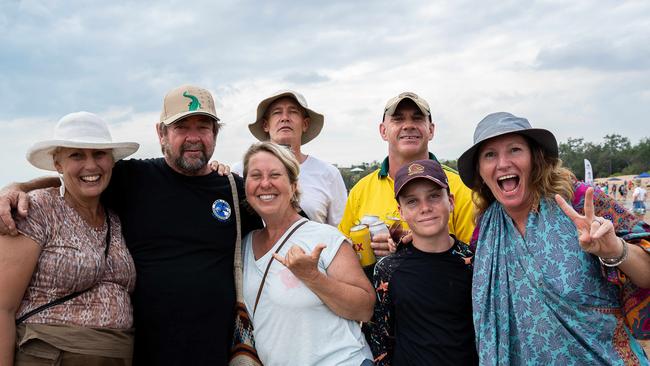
(615, 156)
(350, 178)
(450, 163)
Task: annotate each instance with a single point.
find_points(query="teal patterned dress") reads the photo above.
(542, 300)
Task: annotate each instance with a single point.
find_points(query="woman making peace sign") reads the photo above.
(546, 272)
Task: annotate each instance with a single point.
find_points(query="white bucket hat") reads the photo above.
(81, 130)
(315, 119)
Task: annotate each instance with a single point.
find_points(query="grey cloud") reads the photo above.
(58, 57)
(68, 57)
(596, 55)
(310, 77)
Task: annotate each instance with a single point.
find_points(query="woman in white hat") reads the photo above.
(549, 275)
(65, 280)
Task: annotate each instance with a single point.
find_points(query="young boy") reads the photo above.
(423, 314)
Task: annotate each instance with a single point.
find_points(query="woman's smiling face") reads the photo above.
(86, 172)
(268, 189)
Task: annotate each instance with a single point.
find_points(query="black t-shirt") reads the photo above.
(183, 252)
(424, 311)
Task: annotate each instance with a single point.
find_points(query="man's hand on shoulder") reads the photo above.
(220, 168)
(12, 198)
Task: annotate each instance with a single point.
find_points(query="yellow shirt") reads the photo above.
(374, 195)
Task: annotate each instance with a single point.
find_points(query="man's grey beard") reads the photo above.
(189, 167)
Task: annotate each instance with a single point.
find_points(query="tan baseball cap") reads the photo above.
(315, 119)
(187, 100)
(392, 104)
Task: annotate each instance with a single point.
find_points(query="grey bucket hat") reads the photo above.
(497, 124)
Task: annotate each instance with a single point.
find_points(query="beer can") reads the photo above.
(376, 228)
(369, 219)
(390, 220)
(360, 237)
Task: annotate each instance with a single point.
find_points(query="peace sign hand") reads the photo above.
(596, 234)
(303, 266)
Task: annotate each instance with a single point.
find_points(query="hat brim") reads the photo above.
(393, 107)
(467, 161)
(178, 116)
(313, 129)
(40, 155)
(429, 178)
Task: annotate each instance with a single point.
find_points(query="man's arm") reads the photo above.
(14, 197)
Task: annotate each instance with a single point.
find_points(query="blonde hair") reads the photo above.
(547, 178)
(287, 159)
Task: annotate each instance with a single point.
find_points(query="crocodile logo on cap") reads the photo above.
(194, 103)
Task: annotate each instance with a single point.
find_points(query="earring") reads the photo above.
(62, 187)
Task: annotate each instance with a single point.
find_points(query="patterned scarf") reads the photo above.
(541, 299)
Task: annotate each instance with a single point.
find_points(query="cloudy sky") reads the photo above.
(578, 68)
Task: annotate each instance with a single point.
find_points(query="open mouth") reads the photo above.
(90, 178)
(508, 183)
(409, 137)
(266, 197)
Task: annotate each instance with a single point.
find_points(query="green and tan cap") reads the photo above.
(392, 104)
(187, 100)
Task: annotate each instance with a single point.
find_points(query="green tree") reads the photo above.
(639, 158)
(450, 163)
(573, 152)
(617, 149)
(614, 156)
(350, 178)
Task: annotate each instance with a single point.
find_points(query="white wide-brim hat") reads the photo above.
(81, 130)
(315, 119)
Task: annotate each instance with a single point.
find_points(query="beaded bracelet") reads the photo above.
(615, 262)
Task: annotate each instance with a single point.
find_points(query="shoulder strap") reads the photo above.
(237, 264)
(268, 266)
(71, 296)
